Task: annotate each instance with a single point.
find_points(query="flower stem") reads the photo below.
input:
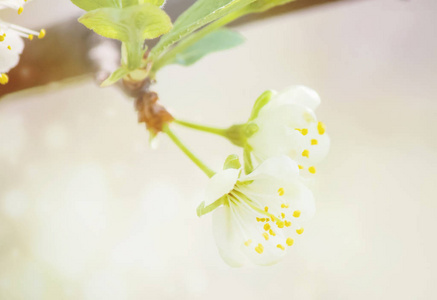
(187, 152)
(214, 130)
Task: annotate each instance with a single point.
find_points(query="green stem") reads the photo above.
(248, 165)
(187, 152)
(209, 129)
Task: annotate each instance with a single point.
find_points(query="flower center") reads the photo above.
(269, 223)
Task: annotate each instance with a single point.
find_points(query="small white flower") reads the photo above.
(10, 49)
(14, 4)
(288, 126)
(11, 44)
(262, 213)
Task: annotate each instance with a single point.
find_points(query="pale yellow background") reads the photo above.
(89, 211)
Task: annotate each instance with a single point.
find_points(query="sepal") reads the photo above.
(232, 162)
(202, 210)
(260, 103)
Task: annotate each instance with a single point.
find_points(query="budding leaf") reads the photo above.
(219, 40)
(131, 25)
(262, 5)
(95, 4)
(199, 14)
(115, 76)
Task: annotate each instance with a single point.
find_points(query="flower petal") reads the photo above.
(12, 4)
(228, 236)
(220, 184)
(238, 235)
(280, 168)
(300, 95)
(10, 58)
(300, 198)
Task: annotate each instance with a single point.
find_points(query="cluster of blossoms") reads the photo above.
(259, 212)
(11, 39)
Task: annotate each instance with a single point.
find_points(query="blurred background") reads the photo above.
(89, 211)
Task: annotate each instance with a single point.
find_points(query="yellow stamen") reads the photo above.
(287, 223)
(4, 78)
(266, 227)
(247, 243)
(296, 213)
(280, 247)
(300, 167)
(312, 170)
(281, 192)
(299, 231)
(259, 248)
(2, 37)
(272, 233)
(314, 142)
(282, 215)
(306, 153)
(266, 236)
(304, 131)
(42, 34)
(321, 128)
(20, 10)
(273, 218)
(266, 209)
(30, 36)
(9, 47)
(284, 205)
(290, 241)
(280, 224)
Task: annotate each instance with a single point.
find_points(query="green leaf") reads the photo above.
(115, 76)
(127, 3)
(199, 14)
(95, 4)
(263, 5)
(216, 41)
(131, 25)
(144, 21)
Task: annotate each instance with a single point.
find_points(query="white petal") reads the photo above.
(301, 95)
(320, 151)
(233, 226)
(279, 168)
(10, 58)
(278, 134)
(228, 237)
(299, 197)
(12, 4)
(274, 139)
(220, 184)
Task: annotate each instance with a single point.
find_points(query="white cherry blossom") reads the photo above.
(10, 49)
(261, 213)
(11, 43)
(287, 125)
